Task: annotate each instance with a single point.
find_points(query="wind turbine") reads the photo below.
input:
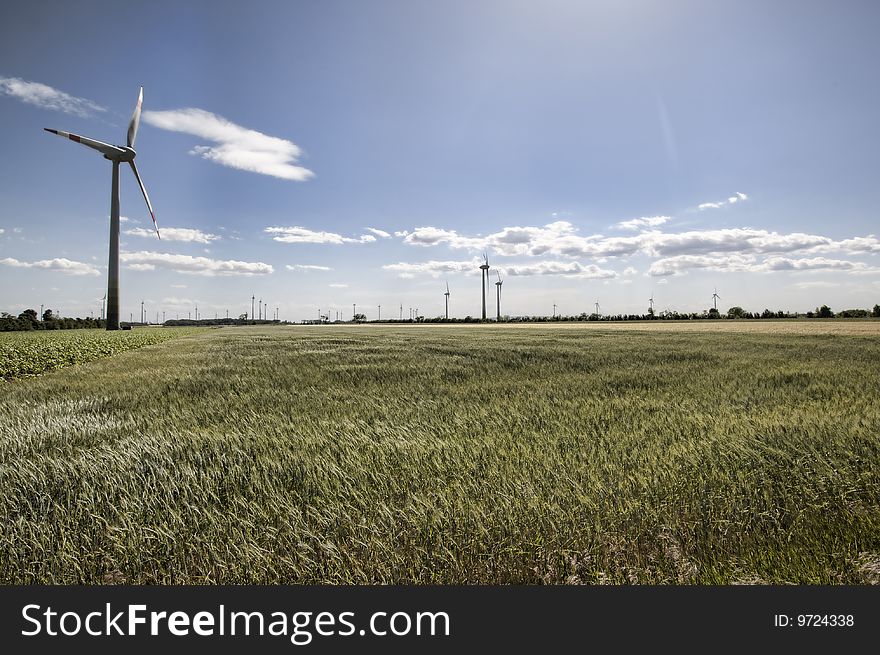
(597, 307)
(117, 155)
(447, 300)
(484, 280)
(715, 298)
(651, 304)
(498, 297)
(554, 310)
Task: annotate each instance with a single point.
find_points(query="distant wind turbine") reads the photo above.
(117, 155)
(498, 297)
(447, 300)
(597, 307)
(715, 298)
(484, 280)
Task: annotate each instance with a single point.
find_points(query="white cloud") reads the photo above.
(629, 270)
(732, 200)
(178, 286)
(307, 267)
(175, 234)
(432, 268)
(236, 146)
(815, 284)
(680, 264)
(60, 264)
(2, 230)
(338, 286)
(568, 269)
(379, 233)
(562, 239)
(148, 261)
(868, 244)
(46, 97)
(297, 234)
(644, 222)
(174, 301)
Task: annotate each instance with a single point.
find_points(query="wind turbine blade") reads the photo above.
(100, 146)
(135, 119)
(146, 197)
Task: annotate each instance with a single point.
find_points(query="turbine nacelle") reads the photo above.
(126, 154)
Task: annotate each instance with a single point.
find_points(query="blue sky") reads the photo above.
(320, 154)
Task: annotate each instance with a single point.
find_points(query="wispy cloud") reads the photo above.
(59, 264)
(174, 301)
(148, 261)
(338, 285)
(46, 97)
(642, 223)
(175, 234)
(306, 267)
(432, 268)
(235, 146)
(379, 233)
(297, 234)
(751, 264)
(732, 200)
(815, 284)
(567, 269)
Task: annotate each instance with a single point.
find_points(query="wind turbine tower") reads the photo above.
(447, 300)
(116, 155)
(498, 297)
(484, 280)
(252, 306)
(651, 303)
(715, 298)
(597, 307)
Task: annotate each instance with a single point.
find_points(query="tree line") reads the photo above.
(30, 320)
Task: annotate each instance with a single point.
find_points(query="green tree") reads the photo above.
(876, 311)
(824, 312)
(735, 312)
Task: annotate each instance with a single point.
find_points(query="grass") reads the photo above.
(537, 454)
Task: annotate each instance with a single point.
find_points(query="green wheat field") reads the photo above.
(705, 453)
